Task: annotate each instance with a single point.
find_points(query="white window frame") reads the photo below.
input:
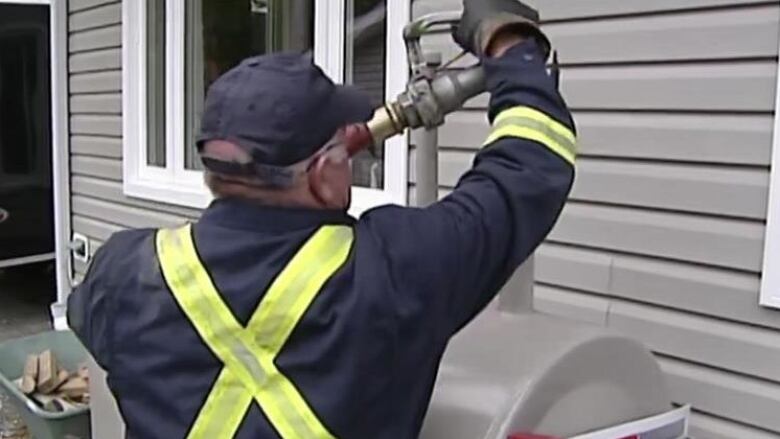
(770, 279)
(173, 184)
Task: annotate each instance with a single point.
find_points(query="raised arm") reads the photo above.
(456, 255)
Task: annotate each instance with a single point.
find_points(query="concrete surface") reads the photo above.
(25, 296)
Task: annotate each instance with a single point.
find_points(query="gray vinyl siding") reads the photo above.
(663, 237)
(99, 206)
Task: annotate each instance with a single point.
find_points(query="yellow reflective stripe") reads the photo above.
(537, 136)
(249, 353)
(556, 139)
(289, 413)
(293, 290)
(200, 301)
(279, 312)
(534, 114)
(223, 410)
(531, 124)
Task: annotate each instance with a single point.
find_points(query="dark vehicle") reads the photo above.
(26, 197)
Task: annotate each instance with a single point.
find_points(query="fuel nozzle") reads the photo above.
(432, 93)
(385, 124)
(425, 103)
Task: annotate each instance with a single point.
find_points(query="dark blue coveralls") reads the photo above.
(366, 353)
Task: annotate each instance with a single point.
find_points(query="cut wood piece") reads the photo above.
(47, 372)
(62, 377)
(83, 372)
(30, 376)
(75, 387)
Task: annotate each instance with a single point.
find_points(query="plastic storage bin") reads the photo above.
(70, 354)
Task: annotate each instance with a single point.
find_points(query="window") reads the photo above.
(221, 33)
(175, 49)
(18, 145)
(364, 51)
(24, 105)
(770, 280)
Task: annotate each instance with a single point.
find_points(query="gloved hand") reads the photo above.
(484, 19)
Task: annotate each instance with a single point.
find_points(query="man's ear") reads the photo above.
(325, 183)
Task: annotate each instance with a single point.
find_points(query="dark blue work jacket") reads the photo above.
(366, 353)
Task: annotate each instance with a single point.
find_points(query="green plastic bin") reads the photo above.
(70, 354)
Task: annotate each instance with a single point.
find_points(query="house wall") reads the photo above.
(99, 207)
(663, 237)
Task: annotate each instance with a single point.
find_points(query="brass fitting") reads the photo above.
(387, 122)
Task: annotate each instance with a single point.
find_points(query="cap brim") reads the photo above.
(352, 104)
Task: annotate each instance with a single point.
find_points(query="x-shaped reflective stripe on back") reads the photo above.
(249, 354)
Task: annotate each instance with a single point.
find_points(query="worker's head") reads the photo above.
(273, 131)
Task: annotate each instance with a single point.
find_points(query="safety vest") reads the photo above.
(248, 353)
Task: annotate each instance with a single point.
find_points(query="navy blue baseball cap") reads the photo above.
(279, 108)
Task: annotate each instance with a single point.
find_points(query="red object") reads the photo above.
(357, 138)
(533, 436)
(536, 436)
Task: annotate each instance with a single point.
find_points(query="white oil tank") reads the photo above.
(527, 373)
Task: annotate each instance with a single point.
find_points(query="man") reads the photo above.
(278, 315)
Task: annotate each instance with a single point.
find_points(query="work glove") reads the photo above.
(483, 19)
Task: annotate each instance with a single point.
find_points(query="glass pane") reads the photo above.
(364, 66)
(18, 104)
(221, 33)
(26, 198)
(155, 84)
